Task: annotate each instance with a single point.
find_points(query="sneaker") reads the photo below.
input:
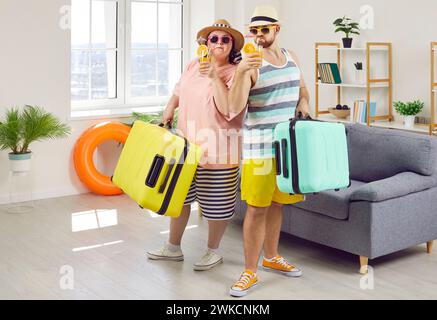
(246, 283)
(208, 261)
(279, 265)
(165, 253)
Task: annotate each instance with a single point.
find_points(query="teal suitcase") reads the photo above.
(311, 156)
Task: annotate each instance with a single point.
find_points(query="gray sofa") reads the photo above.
(391, 204)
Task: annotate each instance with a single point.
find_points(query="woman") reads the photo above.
(202, 97)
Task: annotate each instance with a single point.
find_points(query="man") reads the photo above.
(271, 87)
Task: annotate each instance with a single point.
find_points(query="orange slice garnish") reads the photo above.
(249, 48)
(202, 51)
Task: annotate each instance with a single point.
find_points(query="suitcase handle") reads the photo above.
(168, 125)
(277, 157)
(155, 171)
(299, 115)
(284, 158)
(167, 175)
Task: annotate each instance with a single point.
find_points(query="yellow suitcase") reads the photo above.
(156, 168)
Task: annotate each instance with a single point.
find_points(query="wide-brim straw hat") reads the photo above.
(264, 15)
(222, 25)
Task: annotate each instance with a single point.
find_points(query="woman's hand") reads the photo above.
(168, 115)
(207, 69)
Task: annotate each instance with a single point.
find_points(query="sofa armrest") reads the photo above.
(399, 185)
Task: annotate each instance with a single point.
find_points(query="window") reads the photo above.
(125, 52)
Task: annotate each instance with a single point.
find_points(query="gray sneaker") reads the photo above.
(165, 254)
(208, 261)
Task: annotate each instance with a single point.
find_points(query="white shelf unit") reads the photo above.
(370, 83)
(433, 88)
(352, 85)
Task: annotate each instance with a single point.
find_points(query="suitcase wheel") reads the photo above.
(315, 193)
(337, 190)
(111, 178)
(140, 207)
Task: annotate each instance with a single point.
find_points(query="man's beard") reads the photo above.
(267, 44)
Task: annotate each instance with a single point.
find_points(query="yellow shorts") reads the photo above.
(258, 184)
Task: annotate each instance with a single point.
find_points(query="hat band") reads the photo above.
(263, 18)
(221, 25)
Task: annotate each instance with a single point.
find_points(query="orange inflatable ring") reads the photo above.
(83, 156)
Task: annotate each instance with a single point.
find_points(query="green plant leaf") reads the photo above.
(342, 29)
(409, 108)
(338, 21)
(10, 131)
(39, 125)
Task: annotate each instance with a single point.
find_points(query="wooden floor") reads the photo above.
(108, 260)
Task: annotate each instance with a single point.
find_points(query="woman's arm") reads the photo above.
(168, 113)
(220, 93)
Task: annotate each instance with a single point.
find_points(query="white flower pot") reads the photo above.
(20, 184)
(409, 121)
(19, 164)
(359, 77)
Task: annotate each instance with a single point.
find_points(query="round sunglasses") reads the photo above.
(264, 30)
(223, 39)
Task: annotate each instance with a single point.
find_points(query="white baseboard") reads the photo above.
(49, 193)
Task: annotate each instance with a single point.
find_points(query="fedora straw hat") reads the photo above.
(264, 15)
(222, 25)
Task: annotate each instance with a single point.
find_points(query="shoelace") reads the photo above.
(244, 280)
(208, 255)
(284, 263)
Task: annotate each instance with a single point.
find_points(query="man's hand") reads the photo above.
(303, 107)
(251, 62)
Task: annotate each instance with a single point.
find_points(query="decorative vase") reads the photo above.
(359, 76)
(20, 183)
(409, 121)
(19, 164)
(347, 42)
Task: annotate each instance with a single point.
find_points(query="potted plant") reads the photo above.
(359, 73)
(153, 118)
(347, 26)
(22, 127)
(409, 110)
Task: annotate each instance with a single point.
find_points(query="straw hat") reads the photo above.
(264, 15)
(225, 26)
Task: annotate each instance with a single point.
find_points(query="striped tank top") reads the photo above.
(272, 100)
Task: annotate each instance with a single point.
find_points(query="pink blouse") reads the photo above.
(201, 122)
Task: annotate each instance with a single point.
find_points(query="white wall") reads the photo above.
(35, 69)
(35, 62)
(409, 25)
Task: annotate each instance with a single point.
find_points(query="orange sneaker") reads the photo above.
(247, 282)
(279, 265)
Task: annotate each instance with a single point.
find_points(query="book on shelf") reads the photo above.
(329, 73)
(359, 111)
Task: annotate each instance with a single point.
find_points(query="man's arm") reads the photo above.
(244, 79)
(304, 96)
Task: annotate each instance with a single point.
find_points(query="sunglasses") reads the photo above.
(223, 39)
(264, 30)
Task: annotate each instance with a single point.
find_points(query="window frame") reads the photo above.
(124, 101)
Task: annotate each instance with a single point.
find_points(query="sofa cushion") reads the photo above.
(397, 186)
(376, 153)
(334, 204)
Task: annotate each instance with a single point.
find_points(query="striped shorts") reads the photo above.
(216, 192)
